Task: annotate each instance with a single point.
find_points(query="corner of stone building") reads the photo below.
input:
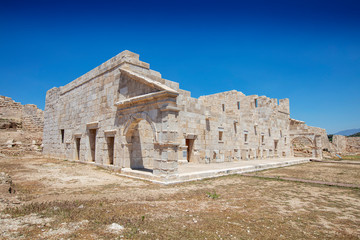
(284, 105)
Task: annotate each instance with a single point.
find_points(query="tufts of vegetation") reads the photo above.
(213, 195)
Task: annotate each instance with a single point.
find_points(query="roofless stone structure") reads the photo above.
(124, 115)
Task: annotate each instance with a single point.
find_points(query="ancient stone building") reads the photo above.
(124, 115)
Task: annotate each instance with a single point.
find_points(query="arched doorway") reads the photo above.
(302, 147)
(141, 135)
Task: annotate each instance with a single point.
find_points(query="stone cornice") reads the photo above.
(145, 98)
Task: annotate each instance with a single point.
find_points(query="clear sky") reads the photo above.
(305, 50)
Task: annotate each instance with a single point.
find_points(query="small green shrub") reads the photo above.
(213, 195)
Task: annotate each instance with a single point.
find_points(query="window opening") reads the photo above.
(207, 124)
(92, 139)
(77, 143)
(220, 135)
(62, 135)
(189, 144)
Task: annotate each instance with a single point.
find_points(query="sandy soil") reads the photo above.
(60, 199)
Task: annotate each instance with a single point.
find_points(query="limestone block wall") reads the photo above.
(230, 126)
(83, 122)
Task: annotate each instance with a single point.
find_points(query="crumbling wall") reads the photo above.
(21, 126)
(353, 145)
(346, 145)
(318, 137)
(339, 142)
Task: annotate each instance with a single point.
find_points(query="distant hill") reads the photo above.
(355, 135)
(348, 132)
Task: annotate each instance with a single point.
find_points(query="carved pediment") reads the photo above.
(135, 88)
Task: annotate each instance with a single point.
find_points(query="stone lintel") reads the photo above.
(92, 125)
(166, 144)
(190, 135)
(110, 133)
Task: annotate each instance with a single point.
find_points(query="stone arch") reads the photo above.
(134, 120)
(302, 146)
(141, 135)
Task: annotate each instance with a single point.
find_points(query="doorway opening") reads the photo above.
(276, 147)
(77, 148)
(92, 140)
(142, 150)
(110, 146)
(190, 145)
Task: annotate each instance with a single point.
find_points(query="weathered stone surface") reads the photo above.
(346, 145)
(21, 126)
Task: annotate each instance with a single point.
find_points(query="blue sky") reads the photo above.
(308, 51)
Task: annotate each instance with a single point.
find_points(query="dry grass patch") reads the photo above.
(326, 172)
(351, 157)
(259, 209)
(230, 207)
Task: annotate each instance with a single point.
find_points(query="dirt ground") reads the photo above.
(63, 200)
(326, 172)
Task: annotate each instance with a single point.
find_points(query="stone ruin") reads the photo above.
(21, 126)
(346, 145)
(123, 115)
